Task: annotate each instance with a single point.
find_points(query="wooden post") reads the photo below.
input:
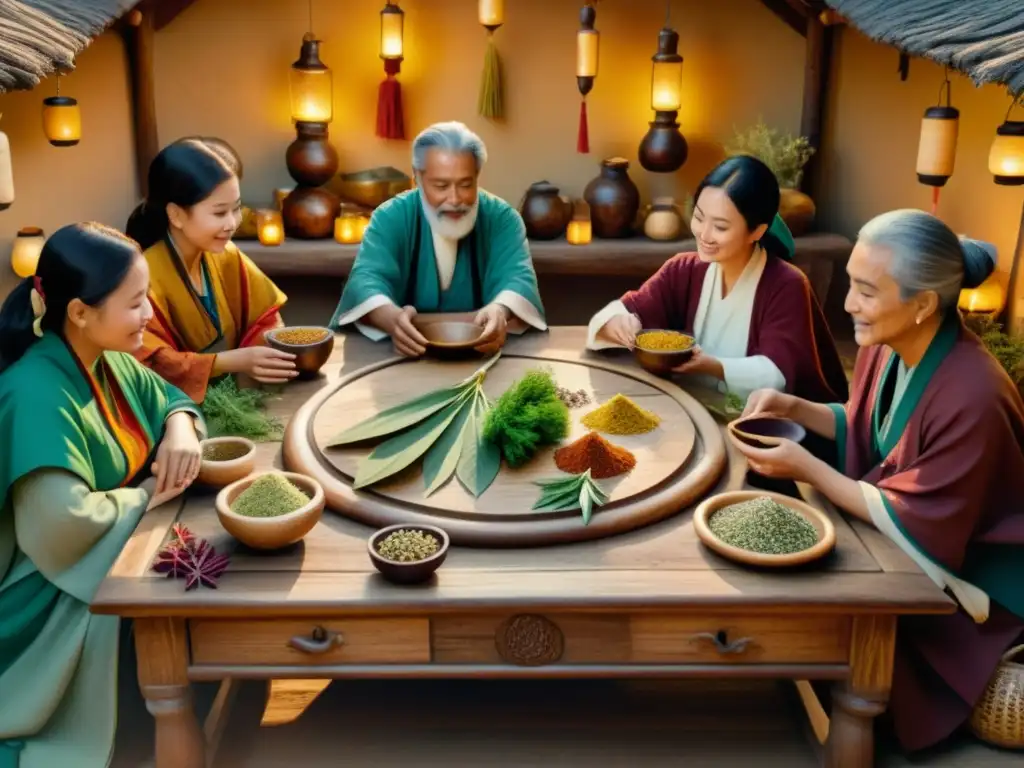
(138, 34)
(1014, 313)
(817, 66)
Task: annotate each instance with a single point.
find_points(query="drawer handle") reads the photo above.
(320, 641)
(721, 641)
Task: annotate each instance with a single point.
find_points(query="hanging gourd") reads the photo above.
(62, 119)
(6, 173)
(588, 42)
(390, 117)
(936, 150)
(490, 103)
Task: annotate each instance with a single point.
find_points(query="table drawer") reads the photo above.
(735, 639)
(311, 641)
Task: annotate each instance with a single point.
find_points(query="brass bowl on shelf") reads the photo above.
(660, 362)
(311, 356)
(372, 187)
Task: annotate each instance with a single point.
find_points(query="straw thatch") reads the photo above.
(40, 37)
(984, 39)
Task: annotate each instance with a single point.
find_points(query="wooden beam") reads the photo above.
(817, 66)
(138, 36)
(1014, 322)
(792, 12)
(166, 11)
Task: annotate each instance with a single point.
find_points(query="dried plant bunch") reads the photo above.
(785, 154)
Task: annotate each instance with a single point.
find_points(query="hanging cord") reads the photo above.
(948, 87)
(668, 14)
(310, 18)
(1014, 101)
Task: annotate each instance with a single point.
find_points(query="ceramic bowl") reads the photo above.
(271, 532)
(217, 474)
(449, 338)
(309, 358)
(661, 362)
(765, 431)
(826, 530)
(408, 573)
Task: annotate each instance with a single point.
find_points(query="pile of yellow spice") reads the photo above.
(621, 416)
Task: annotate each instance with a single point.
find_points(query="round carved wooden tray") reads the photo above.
(676, 463)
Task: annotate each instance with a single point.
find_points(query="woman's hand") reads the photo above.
(177, 458)
(702, 362)
(786, 461)
(769, 402)
(264, 364)
(621, 330)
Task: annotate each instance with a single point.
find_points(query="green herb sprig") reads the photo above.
(576, 491)
(234, 412)
(528, 416)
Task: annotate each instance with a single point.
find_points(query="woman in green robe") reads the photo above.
(79, 420)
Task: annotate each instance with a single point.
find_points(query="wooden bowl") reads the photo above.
(826, 530)
(661, 362)
(309, 358)
(216, 473)
(449, 338)
(271, 532)
(408, 573)
(765, 431)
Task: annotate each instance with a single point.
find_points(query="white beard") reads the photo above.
(448, 228)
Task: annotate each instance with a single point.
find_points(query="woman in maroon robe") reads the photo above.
(931, 452)
(755, 319)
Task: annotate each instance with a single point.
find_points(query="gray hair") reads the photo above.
(452, 137)
(928, 256)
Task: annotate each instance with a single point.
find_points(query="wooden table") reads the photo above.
(651, 603)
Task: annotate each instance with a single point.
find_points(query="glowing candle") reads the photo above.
(346, 229)
(270, 228)
(579, 231)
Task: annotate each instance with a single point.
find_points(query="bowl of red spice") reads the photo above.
(312, 346)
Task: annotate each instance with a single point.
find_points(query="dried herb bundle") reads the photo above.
(445, 427)
(230, 411)
(577, 491)
(528, 416)
(185, 558)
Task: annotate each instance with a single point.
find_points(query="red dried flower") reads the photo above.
(185, 558)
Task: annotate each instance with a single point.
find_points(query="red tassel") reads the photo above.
(583, 136)
(390, 120)
(935, 200)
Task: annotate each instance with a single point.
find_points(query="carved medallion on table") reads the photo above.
(529, 640)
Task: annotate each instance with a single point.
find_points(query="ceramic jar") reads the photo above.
(613, 199)
(664, 220)
(545, 212)
(797, 210)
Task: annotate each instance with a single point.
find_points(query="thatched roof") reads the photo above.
(40, 37)
(984, 39)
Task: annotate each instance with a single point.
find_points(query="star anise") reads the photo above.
(185, 558)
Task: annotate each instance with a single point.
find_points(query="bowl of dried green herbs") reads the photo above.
(272, 509)
(762, 528)
(408, 553)
(225, 460)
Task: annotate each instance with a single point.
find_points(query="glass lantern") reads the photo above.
(312, 86)
(1006, 157)
(392, 23)
(62, 121)
(667, 73)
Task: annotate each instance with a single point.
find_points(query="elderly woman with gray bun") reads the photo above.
(931, 452)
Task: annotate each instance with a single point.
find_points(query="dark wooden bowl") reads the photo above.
(408, 573)
(661, 362)
(765, 431)
(449, 338)
(309, 358)
(271, 532)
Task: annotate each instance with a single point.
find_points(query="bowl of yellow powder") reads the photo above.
(272, 509)
(312, 346)
(659, 351)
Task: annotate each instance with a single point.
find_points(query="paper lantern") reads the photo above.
(988, 298)
(270, 228)
(1006, 157)
(936, 149)
(6, 173)
(492, 13)
(490, 102)
(28, 244)
(62, 121)
(664, 149)
(390, 117)
(350, 227)
(588, 44)
(312, 85)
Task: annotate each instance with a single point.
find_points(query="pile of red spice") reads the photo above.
(595, 453)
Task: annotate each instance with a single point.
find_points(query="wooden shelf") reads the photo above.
(631, 257)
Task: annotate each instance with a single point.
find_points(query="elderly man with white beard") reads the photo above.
(446, 246)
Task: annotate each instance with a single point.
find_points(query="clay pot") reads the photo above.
(797, 210)
(664, 220)
(545, 213)
(613, 199)
(311, 159)
(309, 213)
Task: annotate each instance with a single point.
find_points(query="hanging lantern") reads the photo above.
(491, 100)
(588, 43)
(1006, 157)
(390, 118)
(28, 244)
(6, 173)
(62, 119)
(312, 85)
(936, 149)
(663, 149)
(988, 298)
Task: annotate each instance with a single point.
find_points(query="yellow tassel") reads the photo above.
(490, 103)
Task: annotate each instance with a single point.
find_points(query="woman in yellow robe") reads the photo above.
(211, 304)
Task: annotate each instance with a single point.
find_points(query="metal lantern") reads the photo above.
(390, 115)
(62, 119)
(664, 149)
(392, 31)
(1006, 157)
(588, 44)
(312, 85)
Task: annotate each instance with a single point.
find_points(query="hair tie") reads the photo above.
(38, 299)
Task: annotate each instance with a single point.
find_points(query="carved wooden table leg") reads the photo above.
(162, 648)
(857, 702)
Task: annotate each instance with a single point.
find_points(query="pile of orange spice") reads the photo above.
(595, 453)
(301, 335)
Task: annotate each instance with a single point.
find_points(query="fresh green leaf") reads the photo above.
(443, 457)
(399, 417)
(578, 491)
(400, 451)
(586, 503)
(566, 499)
(480, 460)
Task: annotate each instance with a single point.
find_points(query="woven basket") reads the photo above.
(998, 717)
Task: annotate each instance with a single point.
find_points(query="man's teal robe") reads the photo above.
(397, 261)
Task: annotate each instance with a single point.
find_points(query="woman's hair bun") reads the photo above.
(979, 261)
